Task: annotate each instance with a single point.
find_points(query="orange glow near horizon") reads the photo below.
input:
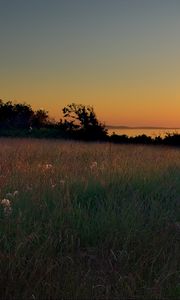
(117, 106)
(158, 113)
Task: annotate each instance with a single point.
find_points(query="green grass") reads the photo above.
(78, 230)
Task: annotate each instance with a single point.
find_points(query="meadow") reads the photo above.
(89, 220)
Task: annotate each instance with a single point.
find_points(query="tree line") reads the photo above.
(79, 122)
(21, 116)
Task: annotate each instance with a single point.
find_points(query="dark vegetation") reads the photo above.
(79, 122)
(89, 221)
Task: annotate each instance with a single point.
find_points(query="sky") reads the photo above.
(120, 56)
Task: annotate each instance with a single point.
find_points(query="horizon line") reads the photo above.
(139, 127)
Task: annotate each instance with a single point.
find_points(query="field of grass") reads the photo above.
(89, 221)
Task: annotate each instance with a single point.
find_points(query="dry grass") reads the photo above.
(89, 220)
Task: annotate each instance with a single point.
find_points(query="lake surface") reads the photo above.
(147, 131)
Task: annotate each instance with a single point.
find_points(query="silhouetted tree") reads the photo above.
(141, 139)
(22, 116)
(6, 111)
(120, 139)
(15, 115)
(172, 139)
(82, 121)
(40, 118)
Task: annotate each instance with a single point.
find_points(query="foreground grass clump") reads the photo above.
(88, 221)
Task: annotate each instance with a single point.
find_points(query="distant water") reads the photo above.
(139, 131)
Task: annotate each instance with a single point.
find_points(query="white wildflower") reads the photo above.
(11, 195)
(6, 202)
(48, 166)
(15, 193)
(93, 165)
(7, 206)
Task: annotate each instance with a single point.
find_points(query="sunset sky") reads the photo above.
(121, 56)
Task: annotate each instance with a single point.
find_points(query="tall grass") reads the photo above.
(89, 220)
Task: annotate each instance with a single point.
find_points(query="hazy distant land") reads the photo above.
(139, 130)
(140, 127)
